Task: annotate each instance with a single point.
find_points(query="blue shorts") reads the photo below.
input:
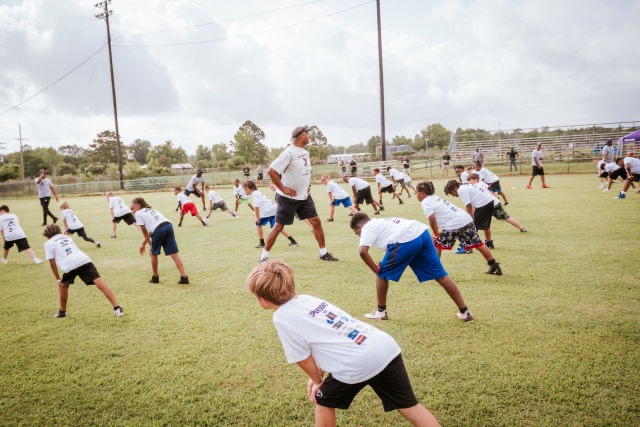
(419, 254)
(271, 220)
(163, 237)
(344, 202)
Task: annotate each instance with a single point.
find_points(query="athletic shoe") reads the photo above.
(377, 213)
(606, 189)
(401, 202)
(183, 280)
(328, 257)
(54, 220)
(523, 230)
(154, 279)
(377, 315)
(621, 196)
(204, 223)
(545, 186)
(260, 246)
(530, 187)
(179, 225)
(329, 219)
(6, 261)
(37, 261)
(44, 224)
(265, 259)
(351, 214)
(97, 244)
(60, 314)
(461, 251)
(408, 196)
(506, 203)
(206, 219)
(293, 244)
(114, 236)
(234, 215)
(466, 316)
(381, 207)
(118, 311)
(494, 269)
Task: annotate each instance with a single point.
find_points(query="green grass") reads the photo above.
(555, 341)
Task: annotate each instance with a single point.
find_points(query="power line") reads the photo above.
(55, 82)
(295, 24)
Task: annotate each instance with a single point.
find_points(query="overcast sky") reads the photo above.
(194, 70)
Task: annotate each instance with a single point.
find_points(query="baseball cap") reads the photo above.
(609, 141)
(199, 171)
(299, 131)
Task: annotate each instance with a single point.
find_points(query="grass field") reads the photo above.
(555, 341)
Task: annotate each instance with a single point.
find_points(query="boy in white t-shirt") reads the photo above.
(119, 212)
(63, 253)
(185, 205)
(240, 195)
(491, 179)
(385, 186)
(407, 244)
(449, 223)
(13, 234)
(72, 223)
(362, 193)
(337, 196)
(323, 339)
(216, 202)
(265, 210)
(397, 178)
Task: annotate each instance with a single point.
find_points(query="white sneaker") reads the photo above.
(5, 261)
(466, 316)
(37, 261)
(605, 190)
(118, 311)
(377, 315)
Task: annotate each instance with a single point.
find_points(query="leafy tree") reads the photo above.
(438, 136)
(104, 149)
(219, 152)
(401, 140)
(166, 154)
(248, 144)
(9, 171)
(139, 150)
(203, 153)
(317, 147)
(73, 151)
(373, 143)
(358, 148)
(67, 169)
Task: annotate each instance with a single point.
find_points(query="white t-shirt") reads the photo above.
(118, 206)
(73, 222)
(182, 199)
(634, 162)
(267, 206)
(608, 153)
(600, 163)
(193, 183)
(383, 180)
(150, 218)
(611, 167)
(359, 183)
(351, 350)
(464, 176)
(44, 187)
(536, 155)
(395, 173)
(448, 216)
(214, 197)
(11, 227)
(478, 195)
(407, 178)
(338, 192)
(386, 231)
(66, 253)
(488, 176)
(239, 191)
(294, 167)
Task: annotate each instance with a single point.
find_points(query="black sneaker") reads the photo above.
(44, 224)
(401, 202)
(381, 207)
(329, 219)
(183, 280)
(377, 213)
(489, 244)
(260, 246)
(154, 279)
(293, 243)
(494, 269)
(523, 230)
(55, 220)
(114, 236)
(60, 314)
(328, 257)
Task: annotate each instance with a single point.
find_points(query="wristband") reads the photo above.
(257, 223)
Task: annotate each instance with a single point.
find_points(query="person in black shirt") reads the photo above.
(513, 156)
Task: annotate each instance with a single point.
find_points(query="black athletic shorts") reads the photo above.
(195, 191)
(604, 174)
(401, 182)
(495, 187)
(128, 218)
(21, 244)
(482, 216)
(635, 177)
(618, 173)
(392, 386)
(535, 171)
(86, 272)
(80, 232)
(388, 189)
(288, 208)
(364, 195)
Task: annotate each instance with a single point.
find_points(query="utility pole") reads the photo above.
(20, 138)
(105, 15)
(382, 130)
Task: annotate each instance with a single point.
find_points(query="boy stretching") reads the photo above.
(337, 196)
(119, 212)
(13, 234)
(408, 244)
(72, 224)
(385, 186)
(62, 252)
(322, 338)
(185, 205)
(216, 202)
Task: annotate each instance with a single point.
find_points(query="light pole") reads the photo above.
(382, 129)
(105, 15)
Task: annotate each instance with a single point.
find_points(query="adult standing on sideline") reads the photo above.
(354, 167)
(291, 175)
(246, 171)
(608, 152)
(45, 189)
(446, 158)
(343, 167)
(259, 174)
(536, 166)
(513, 156)
(478, 156)
(406, 165)
(192, 187)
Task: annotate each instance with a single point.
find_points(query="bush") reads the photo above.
(132, 170)
(236, 162)
(9, 171)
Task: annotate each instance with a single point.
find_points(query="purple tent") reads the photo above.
(632, 137)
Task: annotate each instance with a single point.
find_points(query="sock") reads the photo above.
(463, 310)
(382, 308)
(323, 251)
(292, 240)
(265, 254)
(262, 242)
(493, 261)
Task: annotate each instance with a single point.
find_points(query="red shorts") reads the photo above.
(190, 207)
